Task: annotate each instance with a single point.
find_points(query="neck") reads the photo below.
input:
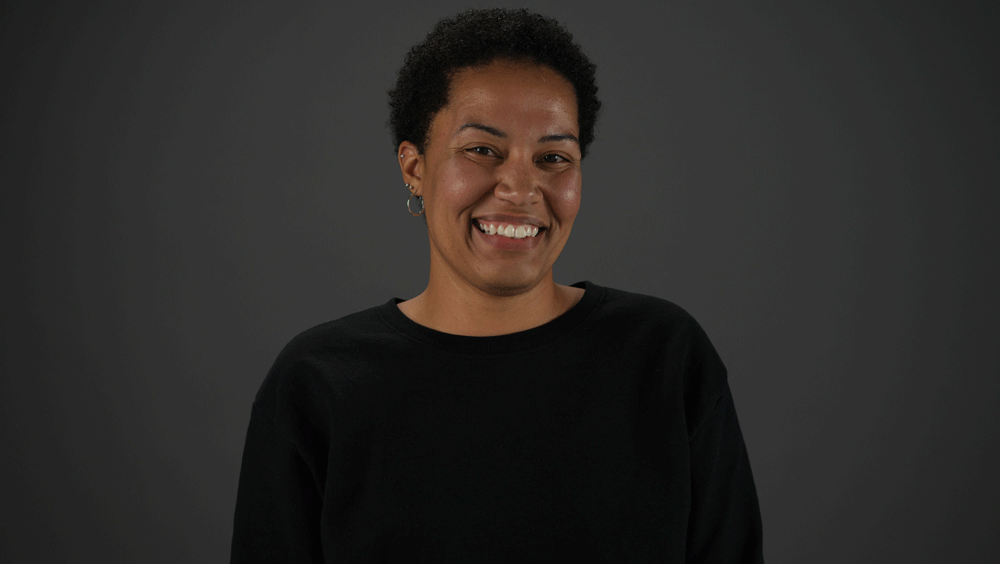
(461, 309)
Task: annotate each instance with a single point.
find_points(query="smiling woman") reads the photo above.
(497, 416)
(502, 158)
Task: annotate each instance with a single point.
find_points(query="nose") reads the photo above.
(518, 182)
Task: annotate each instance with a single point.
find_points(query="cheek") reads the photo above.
(461, 184)
(565, 199)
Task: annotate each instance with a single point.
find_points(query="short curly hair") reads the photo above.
(476, 38)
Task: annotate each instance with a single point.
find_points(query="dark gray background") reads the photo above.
(187, 185)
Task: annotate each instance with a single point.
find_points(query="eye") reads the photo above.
(482, 151)
(553, 158)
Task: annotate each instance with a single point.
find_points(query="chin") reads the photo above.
(506, 291)
(509, 285)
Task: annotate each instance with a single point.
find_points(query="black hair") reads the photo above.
(477, 38)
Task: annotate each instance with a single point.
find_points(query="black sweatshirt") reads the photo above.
(606, 435)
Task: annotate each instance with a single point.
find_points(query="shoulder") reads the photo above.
(649, 316)
(667, 338)
(321, 360)
(621, 301)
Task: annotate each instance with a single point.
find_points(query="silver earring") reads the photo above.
(410, 199)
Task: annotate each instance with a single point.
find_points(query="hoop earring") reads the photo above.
(419, 199)
(410, 199)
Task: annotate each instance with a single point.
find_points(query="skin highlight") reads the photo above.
(504, 149)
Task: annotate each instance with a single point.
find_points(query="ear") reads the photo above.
(411, 164)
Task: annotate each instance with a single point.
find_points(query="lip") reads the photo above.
(509, 218)
(502, 243)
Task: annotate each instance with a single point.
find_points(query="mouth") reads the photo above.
(510, 230)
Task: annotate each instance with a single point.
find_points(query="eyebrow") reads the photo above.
(559, 137)
(497, 133)
(491, 130)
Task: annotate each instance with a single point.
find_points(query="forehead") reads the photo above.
(512, 91)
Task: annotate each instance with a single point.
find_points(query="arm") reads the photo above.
(278, 504)
(725, 524)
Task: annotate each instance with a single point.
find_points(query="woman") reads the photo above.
(497, 416)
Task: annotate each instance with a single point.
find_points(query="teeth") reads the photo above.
(519, 232)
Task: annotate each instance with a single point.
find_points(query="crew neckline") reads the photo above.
(498, 344)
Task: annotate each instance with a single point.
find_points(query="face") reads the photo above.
(500, 177)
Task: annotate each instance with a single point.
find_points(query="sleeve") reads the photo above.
(725, 524)
(278, 503)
